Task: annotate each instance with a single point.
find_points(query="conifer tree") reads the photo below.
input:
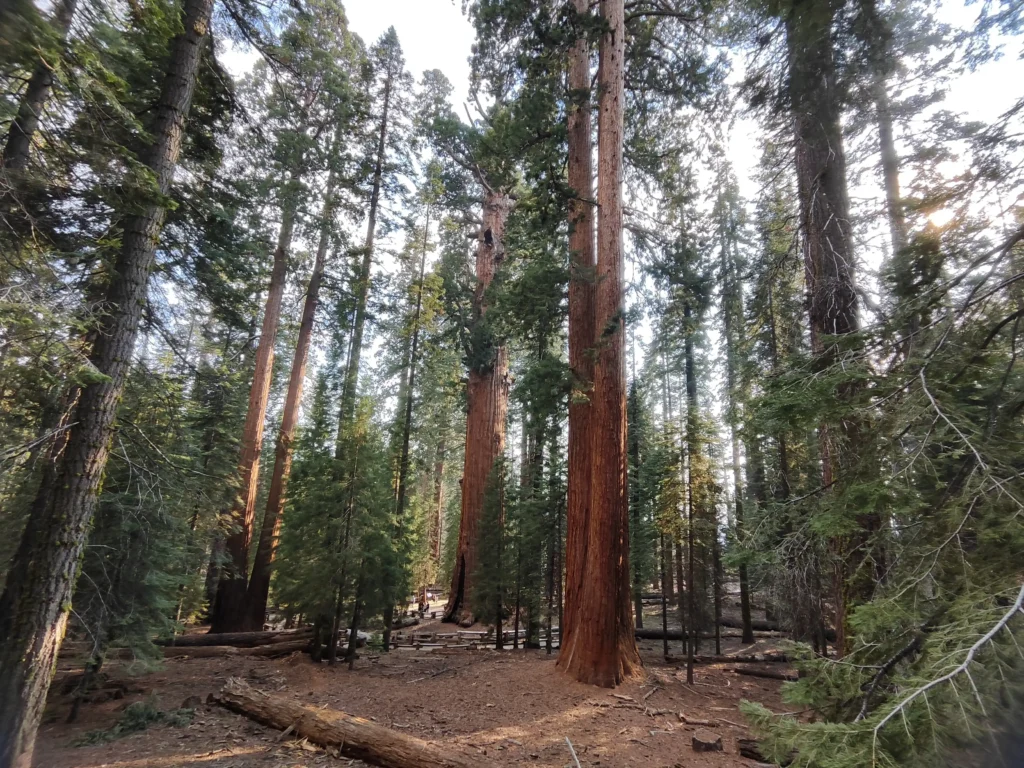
(34, 605)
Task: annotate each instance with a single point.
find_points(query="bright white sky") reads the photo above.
(434, 34)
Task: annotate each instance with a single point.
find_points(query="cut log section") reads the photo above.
(705, 741)
(351, 736)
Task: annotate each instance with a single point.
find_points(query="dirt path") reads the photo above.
(506, 708)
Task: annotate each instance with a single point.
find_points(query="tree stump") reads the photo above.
(705, 741)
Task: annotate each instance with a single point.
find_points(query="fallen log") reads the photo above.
(405, 621)
(271, 650)
(746, 658)
(351, 736)
(237, 639)
(675, 634)
(771, 674)
(766, 626)
(761, 624)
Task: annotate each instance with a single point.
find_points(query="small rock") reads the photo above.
(705, 741)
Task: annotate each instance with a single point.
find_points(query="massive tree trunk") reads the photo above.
(259, 583)
(351, 381)
(602, 650)
(403, 460)
(34, 612)
(37, 93)
(229, 613)
(487, 399)
(581, 327)
(828, 252)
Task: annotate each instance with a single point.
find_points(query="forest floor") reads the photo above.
(496, 707)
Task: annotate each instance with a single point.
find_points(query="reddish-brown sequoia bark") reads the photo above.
(487, 397)
(34, 609)
(602, 649)
(581, 327)
(259, 583)
(229, 608)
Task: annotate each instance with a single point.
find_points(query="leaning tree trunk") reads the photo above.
(828, 256)
(581, 328)
(34, 616)
(602, 649)
(37, 93)
(259, 583)
(487, 400)
(229, 613)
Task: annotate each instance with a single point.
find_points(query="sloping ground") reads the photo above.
(499, 708)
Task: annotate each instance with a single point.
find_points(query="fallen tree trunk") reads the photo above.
(675, 634)
(771, 674)
(766, 626)
(237, 639)
(271, 650)
(751, 658)
(352, 736)
(761, 624)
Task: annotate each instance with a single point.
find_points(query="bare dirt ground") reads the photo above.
(498, 707)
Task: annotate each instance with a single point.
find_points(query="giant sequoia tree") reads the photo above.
(603, 650)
